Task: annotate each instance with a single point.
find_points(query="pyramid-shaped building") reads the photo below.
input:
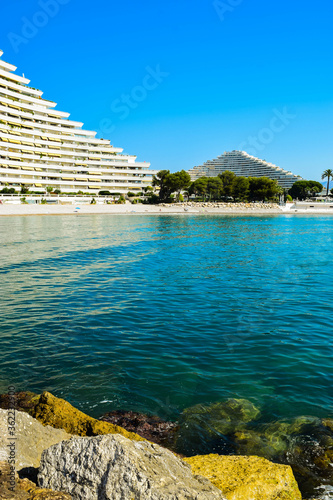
(41, 147)
(243, 164)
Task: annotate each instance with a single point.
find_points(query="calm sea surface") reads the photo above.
(159, 313)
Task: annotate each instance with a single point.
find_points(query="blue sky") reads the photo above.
(180, 82)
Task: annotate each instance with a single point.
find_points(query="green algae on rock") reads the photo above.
(244, 478)
(60, 414)
(304, 443)
(210, 424)
(232, 410)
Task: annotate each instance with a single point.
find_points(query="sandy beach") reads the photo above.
(10, 209)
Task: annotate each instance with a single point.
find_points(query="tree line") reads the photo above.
(228, 186)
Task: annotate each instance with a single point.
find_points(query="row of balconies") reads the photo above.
(55, 152)
(18, 156)
(75, 183)
(84, 177)
(18, 95)
(32, 132)
(21, 88)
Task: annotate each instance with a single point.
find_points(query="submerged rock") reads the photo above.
(31, 438)
(247, 478)
(204, 428)
(116, 468)
(150, 427)
(304, 443)
(232, 410)
(328, 423)
(62, 415)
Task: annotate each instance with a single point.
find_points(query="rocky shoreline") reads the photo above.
(61, 453)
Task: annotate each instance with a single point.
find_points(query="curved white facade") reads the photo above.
(243, 164)
(40, 147)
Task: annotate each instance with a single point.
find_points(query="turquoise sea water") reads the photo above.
(158, 313)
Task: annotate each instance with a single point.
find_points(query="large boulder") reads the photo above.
(115, 468)
(30, 438)
(62, 415)
(247, 478)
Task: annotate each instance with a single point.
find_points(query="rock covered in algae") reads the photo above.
(115, 468)
(247, 478)
(60, 414)
(150, 427)
(274, 439)
(304, 443)
(232, 410)
(21, 401)
(31, 438)
(13, 488)
(328, 422)
(203, 428)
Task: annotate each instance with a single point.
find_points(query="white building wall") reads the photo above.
(41, 147)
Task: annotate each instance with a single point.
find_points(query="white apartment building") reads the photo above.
(40, 147)
(243, 164)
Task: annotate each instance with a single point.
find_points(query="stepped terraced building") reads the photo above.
(243, 164)
(40, 147)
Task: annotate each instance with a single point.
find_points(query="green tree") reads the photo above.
(315, 188)
(214, 187)
(199, 187)
(262, 188)
(178, 181)
(161, 180)
(305, 189)
(240, 188)
(49, 189)
(327, 173)
(227, 179)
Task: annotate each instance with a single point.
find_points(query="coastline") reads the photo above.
(8, 209)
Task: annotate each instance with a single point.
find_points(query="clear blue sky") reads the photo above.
(180, 82)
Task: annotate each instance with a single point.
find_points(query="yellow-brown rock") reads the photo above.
(328, 422)
(62, 415)
(13, 488)
(36, 493)
(247, 478)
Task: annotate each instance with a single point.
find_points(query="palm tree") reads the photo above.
(327, 173)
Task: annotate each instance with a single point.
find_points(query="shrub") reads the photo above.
(130, 194)
(289, 198)
(121, 200)
(104, 193)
